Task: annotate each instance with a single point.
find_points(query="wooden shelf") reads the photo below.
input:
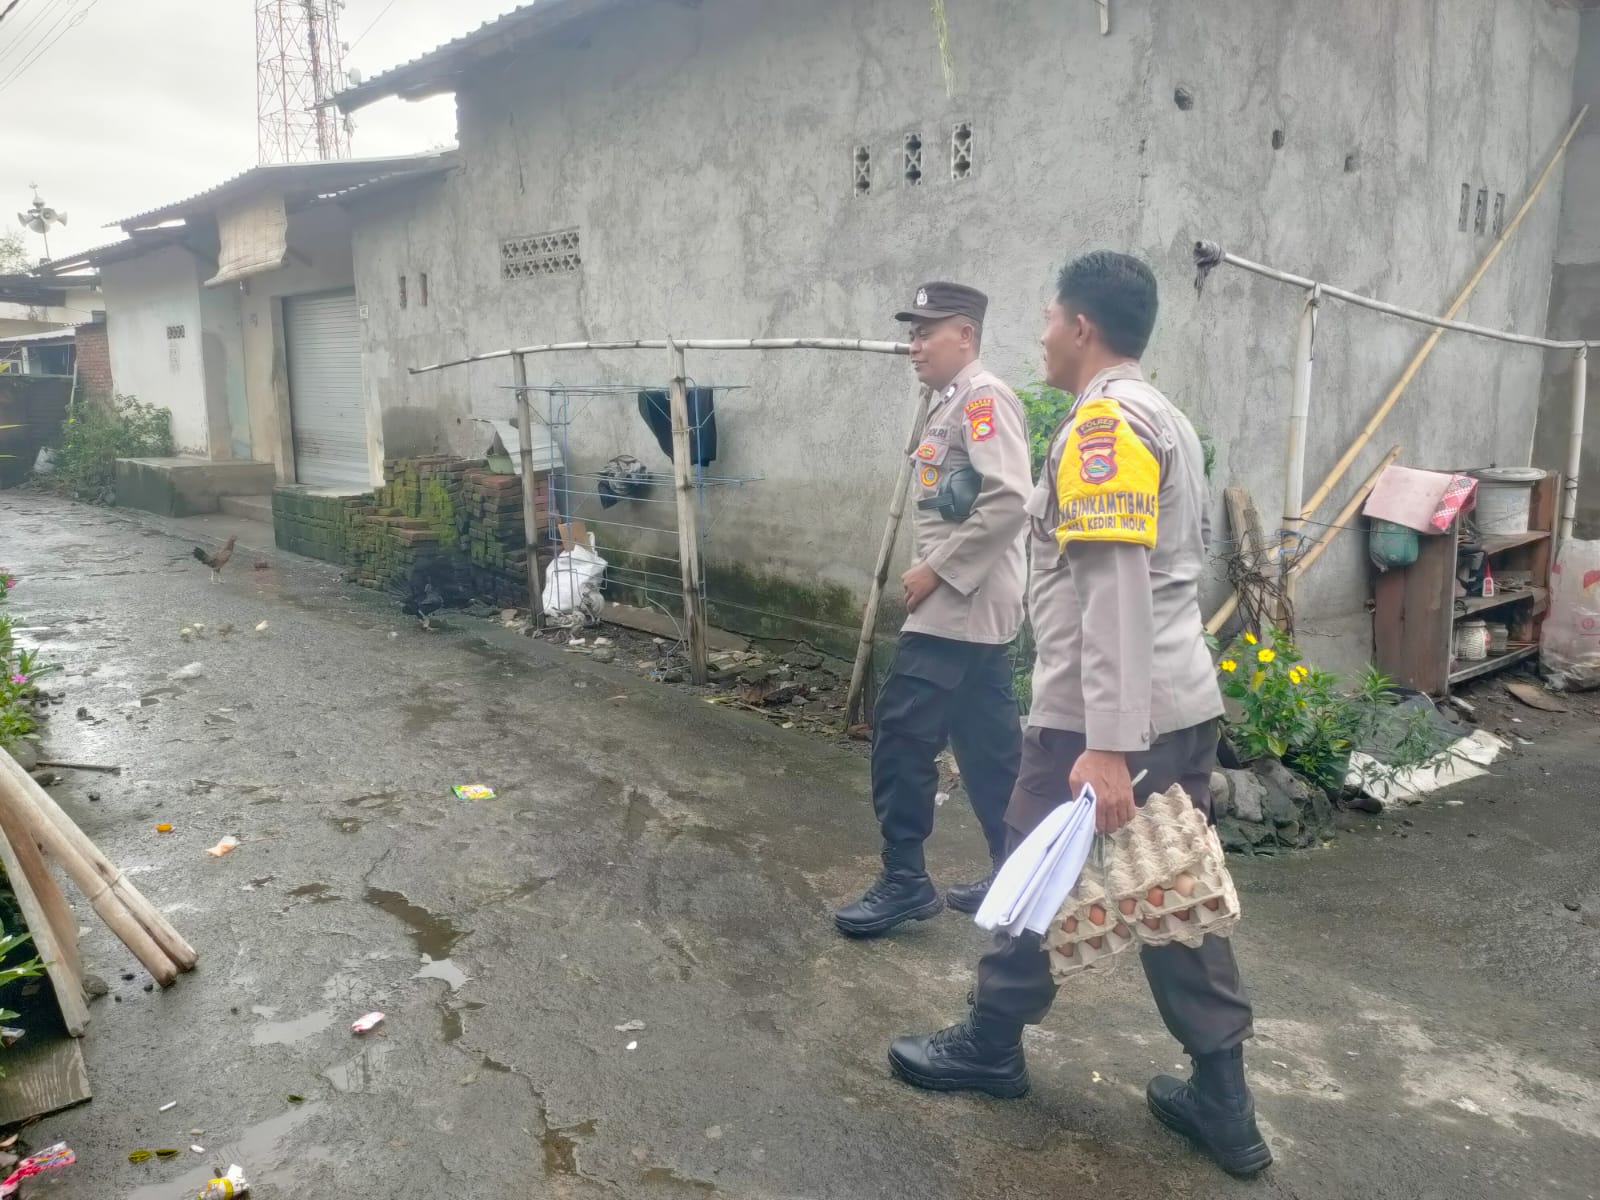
(1492, 663)
(1510, 541)
(1473, 605)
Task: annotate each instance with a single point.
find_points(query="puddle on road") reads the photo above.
(284, 1033)
(668, 1177)
(311, 889)
(450, 1020)
(561, 1148)
(445, 969)
(256, 1149)
(435, 936)
(491, 1064)
(373, 800)
(361, 1072)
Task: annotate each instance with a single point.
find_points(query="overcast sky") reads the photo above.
(145, 102)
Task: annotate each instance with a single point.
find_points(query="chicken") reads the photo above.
(218, 560)
(427, 589)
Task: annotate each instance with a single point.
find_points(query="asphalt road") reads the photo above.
(1427, 1012)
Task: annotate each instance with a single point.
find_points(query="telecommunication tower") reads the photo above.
(299, 66)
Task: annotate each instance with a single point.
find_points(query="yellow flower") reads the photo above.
(1228, 665)
(1265, 655)
(1255, 680)
(1250, 638)
(1302, 703)
(1298, 674)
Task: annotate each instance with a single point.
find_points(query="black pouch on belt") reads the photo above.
(955, 498)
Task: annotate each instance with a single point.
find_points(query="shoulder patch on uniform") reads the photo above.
(926, 451)
(1108, 482)
(980, 418)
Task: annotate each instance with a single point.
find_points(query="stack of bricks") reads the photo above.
(438, 511)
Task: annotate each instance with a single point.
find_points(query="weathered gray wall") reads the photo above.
(1575, 291)
(705, 153)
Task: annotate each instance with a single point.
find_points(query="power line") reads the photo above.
(72, 24)
(373, 23)
(6, 12)
(19, 44)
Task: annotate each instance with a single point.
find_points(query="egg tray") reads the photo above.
(1167, 840)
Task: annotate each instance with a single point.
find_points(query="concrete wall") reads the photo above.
(1575, 291)
(705, 154)
(319, 244)
(145, 297)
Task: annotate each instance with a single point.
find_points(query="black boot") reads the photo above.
(977, 1055)
(1215, 1111)
(902, 893)
(968, 897)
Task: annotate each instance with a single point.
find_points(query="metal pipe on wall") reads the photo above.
(1569, 499)
(1294, 481)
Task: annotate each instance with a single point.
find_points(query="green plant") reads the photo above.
(98, 433)
(1300, 714)
(20, 670)
(9, 974)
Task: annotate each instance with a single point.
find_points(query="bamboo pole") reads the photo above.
(20, 805)
(30, 796)
(694, 613)
(1342, 521)
(891, 533)
(1421, 356)
(530, 502)
(1299, 417)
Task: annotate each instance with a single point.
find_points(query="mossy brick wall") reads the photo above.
(442, 511)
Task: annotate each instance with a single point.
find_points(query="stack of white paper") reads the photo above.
(1034, 882)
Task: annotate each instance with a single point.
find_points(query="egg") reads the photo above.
(1070, 925)
(1129, 906)
(1152, 922)
(1097, 915)
(1095, 943)
(1122, 931)
(1184, 884)
(1068, 950)
(1215, 904)
(1156, 897)
(1183, 913)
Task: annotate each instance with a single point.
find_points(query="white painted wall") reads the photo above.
(144, 296)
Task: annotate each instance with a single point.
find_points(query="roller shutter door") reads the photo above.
(323, 337)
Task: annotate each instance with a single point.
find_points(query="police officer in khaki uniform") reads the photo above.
(1123, 684)
(951, 678)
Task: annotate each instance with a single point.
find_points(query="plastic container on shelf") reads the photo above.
(1471, 641)
(1505, 496)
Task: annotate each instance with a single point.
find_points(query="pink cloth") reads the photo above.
(1427, 501)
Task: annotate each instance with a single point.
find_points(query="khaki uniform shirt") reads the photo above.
(1118, 542)
(977, 421)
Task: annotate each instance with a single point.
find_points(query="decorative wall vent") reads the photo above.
(961, 150)
(913, 149)
(174, 332)
(861, 168)
(541, 254)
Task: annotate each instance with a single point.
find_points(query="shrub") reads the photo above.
(1298, 713)
(100, 432)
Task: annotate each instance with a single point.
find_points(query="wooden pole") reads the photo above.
(1432, 340)
(880, 575)
(69, 845)
(20, 807)
(530, 501)
(694, 612)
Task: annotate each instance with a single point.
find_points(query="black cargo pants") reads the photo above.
(940, 689)
(1197, 990)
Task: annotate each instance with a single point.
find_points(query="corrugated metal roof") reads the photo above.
(141, 241)
(308, 179)
(435, 71)
(66, 334)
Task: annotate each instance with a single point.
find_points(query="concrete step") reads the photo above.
(253, 508)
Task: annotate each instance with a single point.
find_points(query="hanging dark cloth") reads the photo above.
(656, 408)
